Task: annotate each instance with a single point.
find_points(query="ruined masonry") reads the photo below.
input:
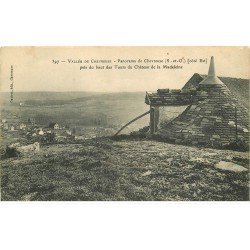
(214, 117)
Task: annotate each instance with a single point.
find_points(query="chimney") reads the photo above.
(211, 71)
(211, 78)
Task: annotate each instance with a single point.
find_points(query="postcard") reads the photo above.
(124, 123)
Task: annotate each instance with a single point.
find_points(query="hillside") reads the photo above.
(109, 109)
(104, 169)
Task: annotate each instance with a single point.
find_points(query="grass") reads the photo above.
(104, 169)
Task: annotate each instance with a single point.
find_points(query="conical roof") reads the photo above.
(211, 78)
(215, 118)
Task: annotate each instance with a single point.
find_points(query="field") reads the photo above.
(103, 168)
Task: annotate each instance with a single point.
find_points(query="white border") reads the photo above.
(130, 22)
(124, 225)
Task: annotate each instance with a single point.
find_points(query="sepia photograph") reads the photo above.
(124, 123)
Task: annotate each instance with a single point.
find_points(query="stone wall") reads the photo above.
(215, 118)
(173, 97)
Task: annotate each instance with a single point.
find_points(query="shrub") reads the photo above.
(11, 152)
(239, 145)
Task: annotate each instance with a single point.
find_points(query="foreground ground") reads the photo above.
(103, 169)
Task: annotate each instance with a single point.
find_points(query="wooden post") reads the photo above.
(154, 119)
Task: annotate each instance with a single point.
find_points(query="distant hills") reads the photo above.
(44, 96)
(61, 98)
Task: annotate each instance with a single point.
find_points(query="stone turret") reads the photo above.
(215, 118)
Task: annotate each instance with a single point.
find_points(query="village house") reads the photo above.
(37, 130)
(40, 131)
(215, 112)
(12, 128)
(22, 126)
(54, 125)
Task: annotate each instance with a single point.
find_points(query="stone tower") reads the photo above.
(215, 117)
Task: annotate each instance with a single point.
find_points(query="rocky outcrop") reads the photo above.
(16, 149)
(230, 166)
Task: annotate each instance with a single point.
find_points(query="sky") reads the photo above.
(34, 70)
